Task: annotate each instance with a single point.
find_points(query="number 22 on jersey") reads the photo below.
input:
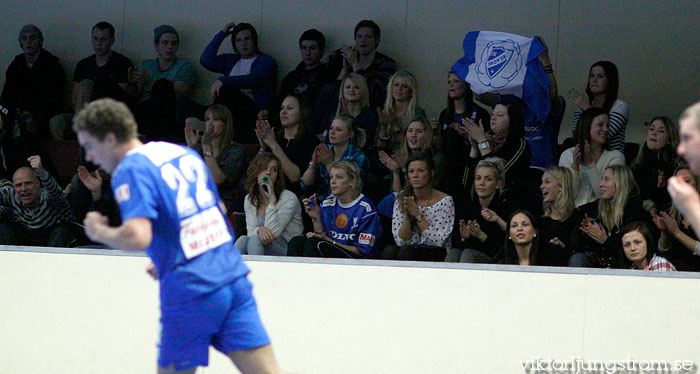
(206, 229)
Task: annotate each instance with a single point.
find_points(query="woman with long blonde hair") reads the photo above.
(225, 158)
(400, 107)
(416, 140)
(619, 205)
(560, 218)
(353, 101)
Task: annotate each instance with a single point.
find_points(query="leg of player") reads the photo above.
(260, 360)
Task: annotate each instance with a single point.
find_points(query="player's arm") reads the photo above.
(134, 234)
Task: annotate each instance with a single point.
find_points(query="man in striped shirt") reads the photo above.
(32, 215)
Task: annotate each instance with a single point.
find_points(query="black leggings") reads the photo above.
(301, 246)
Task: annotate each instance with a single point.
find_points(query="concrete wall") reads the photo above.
(651, 42)
(87, 312)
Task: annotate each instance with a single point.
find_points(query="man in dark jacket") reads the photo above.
(33, 86)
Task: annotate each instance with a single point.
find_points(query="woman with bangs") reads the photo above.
(601, 92)
(353, 101)
(272, 214)
(417, 139)
(506, 141)
(293, 144)
(619, 205)
(638, 250)
(590, 156)
(656, 161)
(345, 225)
(481, 227)
(400, 107)
(225, 159)
(677, 241)
(559, 222)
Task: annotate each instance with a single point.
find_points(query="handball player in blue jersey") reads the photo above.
(170, 208)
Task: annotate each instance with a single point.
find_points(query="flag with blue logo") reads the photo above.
(505, 63)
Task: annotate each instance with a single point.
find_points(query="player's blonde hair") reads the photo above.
(353, 172)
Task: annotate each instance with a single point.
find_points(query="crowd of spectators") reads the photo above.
(348, 163)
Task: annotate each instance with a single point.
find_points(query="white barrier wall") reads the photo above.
(86, 313)
(653, 43)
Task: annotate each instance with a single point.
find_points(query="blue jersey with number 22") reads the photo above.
(192, 247)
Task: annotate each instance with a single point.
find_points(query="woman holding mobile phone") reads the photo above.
(272, 214)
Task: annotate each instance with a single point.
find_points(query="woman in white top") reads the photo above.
(423, 216)
(590, 156)
(272, 214)
(601, 92)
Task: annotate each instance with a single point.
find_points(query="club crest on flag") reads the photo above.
(500, 63)
(506, 64)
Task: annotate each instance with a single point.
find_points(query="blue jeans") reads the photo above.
(252, 245)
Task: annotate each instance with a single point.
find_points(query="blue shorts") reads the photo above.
(227, 319)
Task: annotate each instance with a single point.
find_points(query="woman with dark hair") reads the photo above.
(656, 161)
(293, 144)
(423, 217)
(639, 249)
(452, 133)
(601, 92)
(272, 214)
(481, 228)
(590, 156)
(460, 104)
(521, 245)
(506, 141)
(225, 159)
(677, 241)
(346, 141)
(600, 227)
(560, 217)
(249, 80)
(345, 225)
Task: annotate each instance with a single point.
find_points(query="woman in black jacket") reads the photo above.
(618, 205)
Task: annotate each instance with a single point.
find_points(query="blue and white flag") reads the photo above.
(507, 63)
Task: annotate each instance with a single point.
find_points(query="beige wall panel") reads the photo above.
(641, 317)
(89, 313)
